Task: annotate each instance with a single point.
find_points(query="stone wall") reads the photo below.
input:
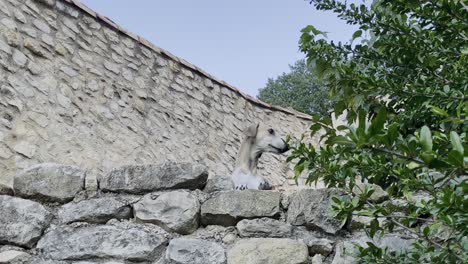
(77, 89)
(166, 214)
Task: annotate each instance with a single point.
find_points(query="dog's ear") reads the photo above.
(251, 131)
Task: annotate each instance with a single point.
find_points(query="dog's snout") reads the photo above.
(286, 148)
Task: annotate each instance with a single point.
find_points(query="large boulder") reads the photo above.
(50, 182)
(194, 251)
(22, 221)
(263, 227)
(311, 208)
(176, 211)
(122, 241)
(219, 183)
(148, 178)
(227, 208)
(96, 210)
(268, 250)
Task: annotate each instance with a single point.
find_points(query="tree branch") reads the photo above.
(390, 152)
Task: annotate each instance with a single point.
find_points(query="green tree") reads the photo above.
(299, 89)
(403, 81)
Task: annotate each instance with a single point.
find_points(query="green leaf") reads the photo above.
(427, 157)
(357, 34)
(336, 200)
(378, 122)
(341, 140)
(455, 158)
(374, 227)
(456, 142)
(425, 138)
(439, 111)
(312, 29)
(392, 133)
(426, 231)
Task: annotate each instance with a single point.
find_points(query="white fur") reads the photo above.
(258, 139)
(246, 179)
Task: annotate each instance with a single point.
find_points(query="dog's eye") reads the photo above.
(271, 131)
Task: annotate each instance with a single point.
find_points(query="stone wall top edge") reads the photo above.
(109, 23)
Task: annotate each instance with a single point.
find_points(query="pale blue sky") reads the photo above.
(242, 42)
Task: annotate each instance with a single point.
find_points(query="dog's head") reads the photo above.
(265, 139)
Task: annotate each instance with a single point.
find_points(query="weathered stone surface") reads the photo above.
(133, 242)
(50, 182)
(345, 251)
(219, 183)
(268, 250)
(25, 148)
(311, 208)
(147, 178)
(216, 233)
(176, 211)
(5, 188)
(317, 259)
(19, 58)
(315, 243)
(227, 208)
(97, 210)
(263, 227)
(22, 221)
(103, 262)
(194, 251)
(14, 257)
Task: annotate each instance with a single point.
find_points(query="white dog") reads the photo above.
(258, 139)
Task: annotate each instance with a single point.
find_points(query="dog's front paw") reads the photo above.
(241, 187)
(265, 186)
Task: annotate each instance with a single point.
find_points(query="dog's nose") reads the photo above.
(286, 148)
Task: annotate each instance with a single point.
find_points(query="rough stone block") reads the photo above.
(219, 183)
(310, 208)
(148, 178)
(227, 208)
(176, 211)
(194, 251)
(14, 257)
(97, 210)
(268, 250)
(22, 221)
(264, 227)
(133, 242)
(50, 182)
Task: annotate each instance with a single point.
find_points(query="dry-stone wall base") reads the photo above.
(147, 178)
(194, 251)
(227, 208)
(76, 89)
(268, 250)
(22, 221)
(95, 210)
(51, 182)
(174, 226)
(176, 211)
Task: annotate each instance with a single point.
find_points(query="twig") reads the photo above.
(386, 151)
